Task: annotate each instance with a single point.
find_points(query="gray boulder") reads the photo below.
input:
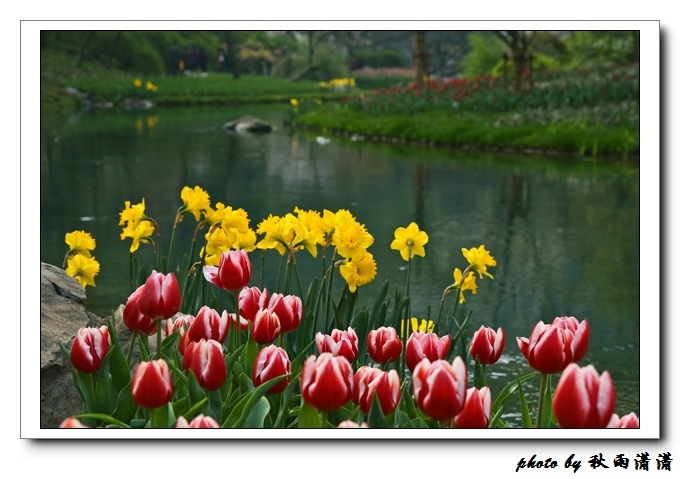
(248, 124)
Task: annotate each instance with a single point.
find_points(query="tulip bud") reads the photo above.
(339, 343)
(180, 324)
(288, 309)
(89, 349)
(326, 381)
(629, 421)
(583, 398)
(209, 324)
(206, 359)
(72, 423)
(199, 422)
(581, 332)
(384, 384)
(487, 345)
(233, 272)
(349, 424)
(439, 388)
(160, 297)
(552, 347)
(266, 327)
(134, 319)
(476, 412)
(384, 345)
(152, 385)
(251, 300)
(271, 362)
(421, 346)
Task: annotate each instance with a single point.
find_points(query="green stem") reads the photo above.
(324, 419)
(262, 270)
(408, 279)
(297, 277)
(237, 323)
(158, 338)
(132, 345)
(172, 237)
(541, 395)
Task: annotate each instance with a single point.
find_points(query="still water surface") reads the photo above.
(565, 234)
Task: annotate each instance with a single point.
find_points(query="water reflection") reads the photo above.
(565, 235)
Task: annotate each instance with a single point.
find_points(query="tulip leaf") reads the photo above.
(361, 329)
(258, 413)
(308, 417)
(240, 412)
(376, 418)
(480, 380)
(120, 370)
(526, 417)
(126, 406)
(195, 410)
(287, 393)
(499, 404)
(105, 418)
(169, 344)
(162, 417)
(180, 407)
(104, 398)
(85, 385)
(251, 354)
(378, 306)
(196, 392)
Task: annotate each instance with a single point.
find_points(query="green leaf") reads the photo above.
(376, 418)
(499, 404)
(526, 417)
(378, 305)
(104, 398)
(196, 392)
(547, 405)
(119, 369)
(240, 412)
(480, 380)
(308, 417)
(195, 410)
(125, 405)
(255, 419)
(105, 418)
(162, 417)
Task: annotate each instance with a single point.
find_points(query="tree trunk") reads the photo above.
(420, 59)
(232, 52)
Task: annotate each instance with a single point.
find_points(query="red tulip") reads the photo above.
(384, 384)
(152, 385)
(266, 327)
(199, 422)
(89, 349)
(476, 412)
(242, 323)
(583, 398)
(384, 345)
(552, 347)
(134, 319)
(487, 345)
(439, 388)
(581, 331)
(425, 346)
(326, 381)
(160, 297)
(288, 309)
(72, 423)
(629, 421)
(339, 343)
(251, 300)
(271, 362)
(209, 324)
(180, 324)
(206, 359)
(233, 272)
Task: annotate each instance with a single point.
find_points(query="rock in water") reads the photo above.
(248, 124)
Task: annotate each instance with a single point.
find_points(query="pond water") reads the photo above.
(565, 233)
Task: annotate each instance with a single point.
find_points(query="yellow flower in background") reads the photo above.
(469, 284)
(479, 259)
(278, 233)
(409, 241)
(424, 326)
(83, 269)
(151, 87)
(196, 200)
(294, 103)
(137, 82)
(358, 271)
(80, 242)
(304, 239)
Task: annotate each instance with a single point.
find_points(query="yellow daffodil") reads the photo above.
(151, 87)
(83, 269)
(278, 233)
(196, 200)
(80, 242)
(140, 233)
(469, 284)
(294, 102)
(479, 259)
(137, 82)
(245, 240)
(409, 241)
(351, 238)
(132, 214)
(359, 271)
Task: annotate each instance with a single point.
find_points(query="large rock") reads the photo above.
(248, 124)
(62, 313)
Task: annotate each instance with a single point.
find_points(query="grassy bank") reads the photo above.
(480, 131)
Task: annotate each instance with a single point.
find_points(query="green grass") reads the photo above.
(462, 129)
